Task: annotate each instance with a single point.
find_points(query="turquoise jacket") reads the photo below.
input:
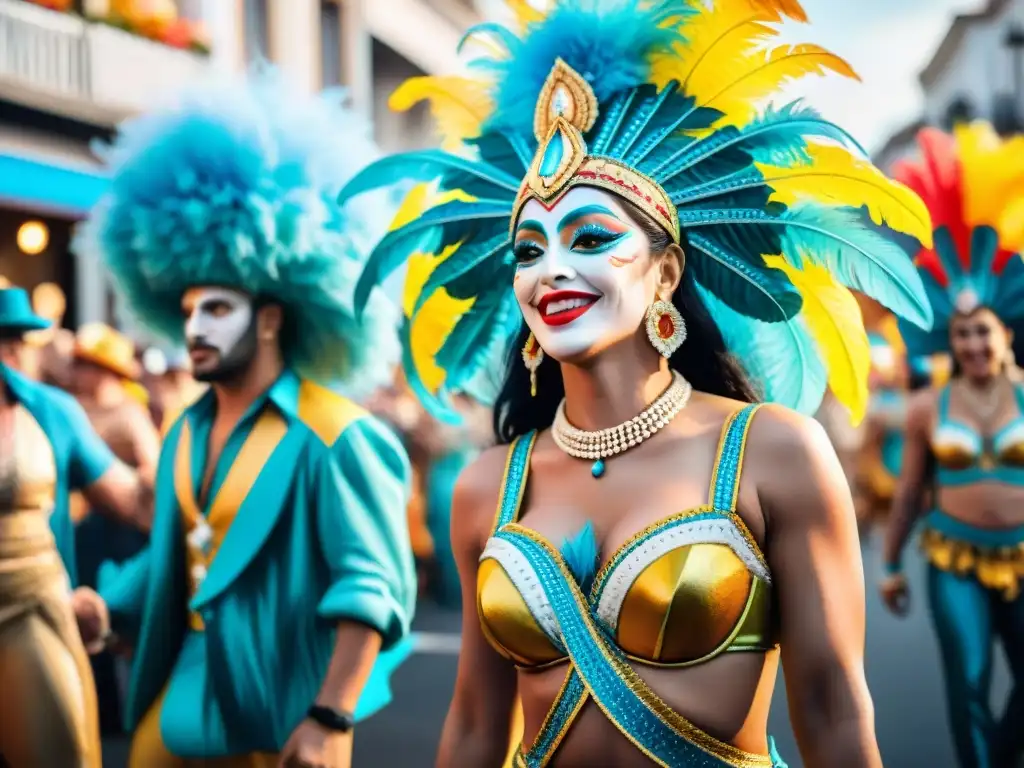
(80, 455)
(320, 537)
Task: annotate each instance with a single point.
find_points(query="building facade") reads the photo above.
(71, 70)
(977, 72)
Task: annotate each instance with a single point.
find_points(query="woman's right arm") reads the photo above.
(476, 731)
(906, 504)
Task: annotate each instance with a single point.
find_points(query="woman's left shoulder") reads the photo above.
(780, 434)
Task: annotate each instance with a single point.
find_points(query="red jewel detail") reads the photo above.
(534, 348)
(665, 326)
(630, 187)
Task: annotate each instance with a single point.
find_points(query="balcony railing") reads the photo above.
(61, 63)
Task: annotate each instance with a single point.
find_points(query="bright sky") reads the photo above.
(888, 42)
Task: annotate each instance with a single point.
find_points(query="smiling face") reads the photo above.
(220, 328)
(584, 273)
(980, 343)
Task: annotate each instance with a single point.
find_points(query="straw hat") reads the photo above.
(101, 345)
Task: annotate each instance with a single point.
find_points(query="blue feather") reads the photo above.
(465, 259)
(582, 556)
(607, 41)
(1008, 302)
(780, 357)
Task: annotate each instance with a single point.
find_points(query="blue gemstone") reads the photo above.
(597, 470)
(553, 154)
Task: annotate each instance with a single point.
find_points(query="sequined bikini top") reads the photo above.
(681, 592)
(964, 456)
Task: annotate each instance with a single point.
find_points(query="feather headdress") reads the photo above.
(661, 102)
(973, 184)
(236, 184)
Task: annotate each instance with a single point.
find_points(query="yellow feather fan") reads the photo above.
(459, 105)
(993, 173)
(834, 321)
(835, 177)
(727, 64)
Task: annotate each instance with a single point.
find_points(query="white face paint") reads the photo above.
(584, 275)
(217, 321)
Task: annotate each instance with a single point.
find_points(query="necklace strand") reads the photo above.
(602, 444)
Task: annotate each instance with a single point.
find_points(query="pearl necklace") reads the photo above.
(604, 443)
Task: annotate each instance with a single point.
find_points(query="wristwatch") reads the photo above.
(332, 719)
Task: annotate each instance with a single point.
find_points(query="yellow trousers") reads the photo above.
(148, 750)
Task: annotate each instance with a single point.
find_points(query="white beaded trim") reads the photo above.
(525, 580)
(713, 531)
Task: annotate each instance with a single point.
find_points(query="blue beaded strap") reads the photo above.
(560, 718)
(637, 712)
(725, 480)
(513, 484)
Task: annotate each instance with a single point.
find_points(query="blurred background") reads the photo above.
(70, 70)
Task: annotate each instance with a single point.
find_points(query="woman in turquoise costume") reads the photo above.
(965, 440)
(276, 593)
(667, 244)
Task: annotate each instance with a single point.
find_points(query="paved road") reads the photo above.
(902, 666)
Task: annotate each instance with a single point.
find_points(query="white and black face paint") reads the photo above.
(220, 329)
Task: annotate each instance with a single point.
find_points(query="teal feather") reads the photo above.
(464, 260)
(437, 406)
(421, 166)
(755, 290)
(858, 256)
(609, 122)
(1009, 298)
(396, 246)
(473, 336)
(503, 35)
(582, 556)
(780, 357)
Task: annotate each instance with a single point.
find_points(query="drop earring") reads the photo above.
(666, 328)
(533, 355)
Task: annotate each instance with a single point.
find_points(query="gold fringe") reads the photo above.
(999, 568)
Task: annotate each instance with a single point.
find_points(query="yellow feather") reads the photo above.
(435, 320)
(836, 177)
(525, 13)
(459, 105)
(740, 90)
(834, 321)
(993, 170)
(720, 38)
(439, 314)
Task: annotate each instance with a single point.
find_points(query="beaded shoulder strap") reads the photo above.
(725, 480)
(513, 485)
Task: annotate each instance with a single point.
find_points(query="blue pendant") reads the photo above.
(597, 469)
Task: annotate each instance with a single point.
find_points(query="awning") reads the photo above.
(47, 185)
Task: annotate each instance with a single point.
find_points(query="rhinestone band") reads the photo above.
(601, 444)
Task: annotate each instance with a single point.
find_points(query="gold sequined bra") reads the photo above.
(687, 589)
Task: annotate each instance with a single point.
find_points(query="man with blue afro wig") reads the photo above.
(276, 594)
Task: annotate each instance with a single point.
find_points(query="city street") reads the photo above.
(903, 672)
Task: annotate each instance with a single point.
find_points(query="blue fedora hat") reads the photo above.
(16, 312)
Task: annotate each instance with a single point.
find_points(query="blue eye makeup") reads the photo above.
(594, 238)
(525, 251)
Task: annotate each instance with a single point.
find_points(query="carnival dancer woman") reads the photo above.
(965, 440)
(47, 449)
(645, 220)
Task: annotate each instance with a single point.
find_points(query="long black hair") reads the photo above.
(703, 360)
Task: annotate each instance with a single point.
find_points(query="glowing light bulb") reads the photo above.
(33, 237)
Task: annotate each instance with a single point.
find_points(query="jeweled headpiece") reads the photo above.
(659, 102)
(973, 183)
(567, 109)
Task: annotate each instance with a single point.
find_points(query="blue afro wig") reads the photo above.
(235, 185)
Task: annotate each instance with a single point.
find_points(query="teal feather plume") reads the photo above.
(467, 258)
(582, 556)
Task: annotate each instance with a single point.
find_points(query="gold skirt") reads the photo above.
(1000, 568)
(48, 712)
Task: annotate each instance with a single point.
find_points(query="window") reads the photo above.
(330, 44)
(256, 36)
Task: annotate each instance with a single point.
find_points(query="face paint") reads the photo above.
(584, 276)
(220, 328)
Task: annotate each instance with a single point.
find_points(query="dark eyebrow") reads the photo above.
(530, 226)
(579, 213)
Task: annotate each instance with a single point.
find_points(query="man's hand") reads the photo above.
(313, 746)
(93, 619)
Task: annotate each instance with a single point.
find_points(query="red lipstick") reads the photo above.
(581, 301)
